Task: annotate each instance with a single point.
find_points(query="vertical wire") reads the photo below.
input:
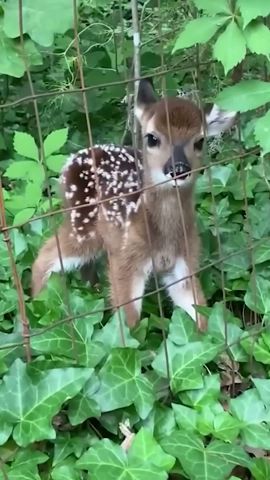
(43, 163)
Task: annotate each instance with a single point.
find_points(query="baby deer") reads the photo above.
(139, 230)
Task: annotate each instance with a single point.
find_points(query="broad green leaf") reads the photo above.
(215, 462)
(251, 412)
(206, 395)
(263, 389)
(262, 132)
(257, 36)
(123, 384)
(12, 62)
(81, 408)
(199, 30)
(66, 471)
(257, 296)
(25, 170)
(261, 252)
(182, 328)
(244, 96)
(220, 327)
(187, 364)
(145, 448)
(111, 335)
(40, 20)
(25, 145)
(250, 9)
(55, 162)
(226, 427)
(29, 457)
(23, 216)
(230, 47)
(108, 460)
(18, 473)
(54, 141)
(186, 418)
(29, 405)
(260, 469)
(212, 8)
(5, 432)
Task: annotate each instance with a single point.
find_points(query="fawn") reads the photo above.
(136, 217)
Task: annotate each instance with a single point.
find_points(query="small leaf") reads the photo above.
(263, 389)
(23, 216)
(81, 408)
(186, 418)
(111, 336)
(208, 394)
(54, 141)
(250, 9)
(244, 96)
(230, 47)
(199, 30)
(182, 328)
(55, 162)
(257, 296)
(262, 132)
(212, 8)
(226, 427)
(145, 449)
(257, 36)
(25, 145)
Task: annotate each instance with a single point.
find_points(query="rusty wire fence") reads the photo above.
(132, 75)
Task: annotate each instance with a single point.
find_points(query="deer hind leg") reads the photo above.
(185, 292)
(73, 254)
(128, 281)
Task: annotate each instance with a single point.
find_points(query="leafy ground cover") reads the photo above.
(163, 401)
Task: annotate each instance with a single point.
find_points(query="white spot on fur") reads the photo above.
(180, 292)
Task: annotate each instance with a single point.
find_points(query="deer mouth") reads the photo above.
(179, 174)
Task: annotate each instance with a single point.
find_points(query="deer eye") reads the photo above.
(199, 144)
(152, 141)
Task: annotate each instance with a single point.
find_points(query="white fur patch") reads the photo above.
(179, 293)
(138, 112)
(69, 264)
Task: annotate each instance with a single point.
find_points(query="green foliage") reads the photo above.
(189, 405)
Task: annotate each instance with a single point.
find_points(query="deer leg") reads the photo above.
(185, 291)
(128, 281)
(72, 255)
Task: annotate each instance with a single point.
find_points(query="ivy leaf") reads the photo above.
(230, 47)
(262, 132)
(65, 471)
(263, 389)
(257, 36)
(41, 21)
(182, 328)
(261, 252)
(215, 462)
(186, 418)
(206, 395)
(107, 460)
(244, 96)
(5, 432)
(187, 364)
(25, 145)
(212, 8)
(145, 448)
(257, 295)
(254, 430)
(250, 10)
(199, 30)
(18, 473)
(260, 469)
(81, 408)
(54, 141)
(226, 427)
(29, 405)
(123, 384)
(111, 337)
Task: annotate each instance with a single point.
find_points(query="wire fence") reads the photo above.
(131, 77)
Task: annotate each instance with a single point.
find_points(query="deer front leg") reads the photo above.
(128, 281)
(185, 291)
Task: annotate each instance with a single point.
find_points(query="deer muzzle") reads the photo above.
(178, 166)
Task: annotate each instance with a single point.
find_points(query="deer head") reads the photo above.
(173, 131)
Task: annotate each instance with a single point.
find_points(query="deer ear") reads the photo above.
(146, 96)
(218, 121)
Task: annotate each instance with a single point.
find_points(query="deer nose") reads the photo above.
(178, 163)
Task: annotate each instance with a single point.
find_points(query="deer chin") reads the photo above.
(179, 181)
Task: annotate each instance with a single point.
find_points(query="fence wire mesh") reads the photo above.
(131, 20)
